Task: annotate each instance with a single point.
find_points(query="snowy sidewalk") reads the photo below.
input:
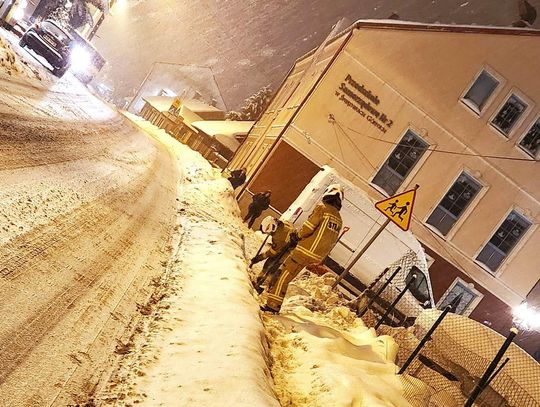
(203, 344)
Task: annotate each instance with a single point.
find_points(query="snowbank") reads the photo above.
(323, 355)
(11, 64)
(203, 344)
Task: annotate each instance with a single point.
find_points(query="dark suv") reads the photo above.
(52, 42)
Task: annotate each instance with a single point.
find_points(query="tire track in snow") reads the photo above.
(71, 282)
(21, 342)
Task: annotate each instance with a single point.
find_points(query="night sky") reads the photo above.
(252, 43)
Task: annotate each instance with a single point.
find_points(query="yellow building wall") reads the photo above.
(418, 78)
(284, 105)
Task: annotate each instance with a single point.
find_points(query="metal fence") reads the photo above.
(450, 365)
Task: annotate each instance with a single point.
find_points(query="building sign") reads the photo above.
(360, 99)
(399, 208)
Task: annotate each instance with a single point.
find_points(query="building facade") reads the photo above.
(455, 109)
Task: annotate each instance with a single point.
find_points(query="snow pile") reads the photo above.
(8, 60)
(203, 344)
(11, 64)
(323, 355)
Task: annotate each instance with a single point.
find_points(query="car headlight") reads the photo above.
(80, 59)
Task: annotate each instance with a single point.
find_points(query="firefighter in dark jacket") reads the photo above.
(280, 231)
(237, 178)
(260, 203)
(317, 237)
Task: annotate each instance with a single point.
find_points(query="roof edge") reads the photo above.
(429, 27)
(436, 27)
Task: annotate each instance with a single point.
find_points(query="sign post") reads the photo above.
(397, 209)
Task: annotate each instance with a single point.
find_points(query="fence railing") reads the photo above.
(454, 359)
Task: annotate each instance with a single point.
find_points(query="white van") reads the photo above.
(391, 249)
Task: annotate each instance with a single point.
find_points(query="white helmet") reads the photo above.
(269, 225)
(334, 189)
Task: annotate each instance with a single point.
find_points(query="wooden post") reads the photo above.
(379, 292)
(503, 364)
(392, 306)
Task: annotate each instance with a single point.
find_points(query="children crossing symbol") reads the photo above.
(399, 208)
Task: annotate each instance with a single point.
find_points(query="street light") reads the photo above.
(526, 317)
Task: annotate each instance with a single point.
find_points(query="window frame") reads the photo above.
(513, 252)
(413, 171)
(530, 105)
(473, 108)
(466, 212)
(518, 143)
(474, 303)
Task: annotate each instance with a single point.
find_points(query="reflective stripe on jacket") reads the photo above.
(280, 238)
(319, 233)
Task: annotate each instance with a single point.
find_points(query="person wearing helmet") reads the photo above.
(317, 237)
(259, 204)
(280, 231)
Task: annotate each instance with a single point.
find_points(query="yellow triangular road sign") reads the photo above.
(399, 208)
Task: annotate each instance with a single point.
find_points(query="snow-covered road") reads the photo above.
(87, 210)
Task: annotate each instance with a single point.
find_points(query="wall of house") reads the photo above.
(417, 91)
(286, 173)
(284, 105)
(412, 82)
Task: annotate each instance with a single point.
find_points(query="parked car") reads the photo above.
(49, 40)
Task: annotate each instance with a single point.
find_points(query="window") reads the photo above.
(458, 197)
(531, 142)
(404, 157)
(509, 114)
(461, 296)
(503, 240)
(480, 91)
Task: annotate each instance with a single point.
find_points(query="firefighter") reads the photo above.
(280, 231)
(316, 239)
